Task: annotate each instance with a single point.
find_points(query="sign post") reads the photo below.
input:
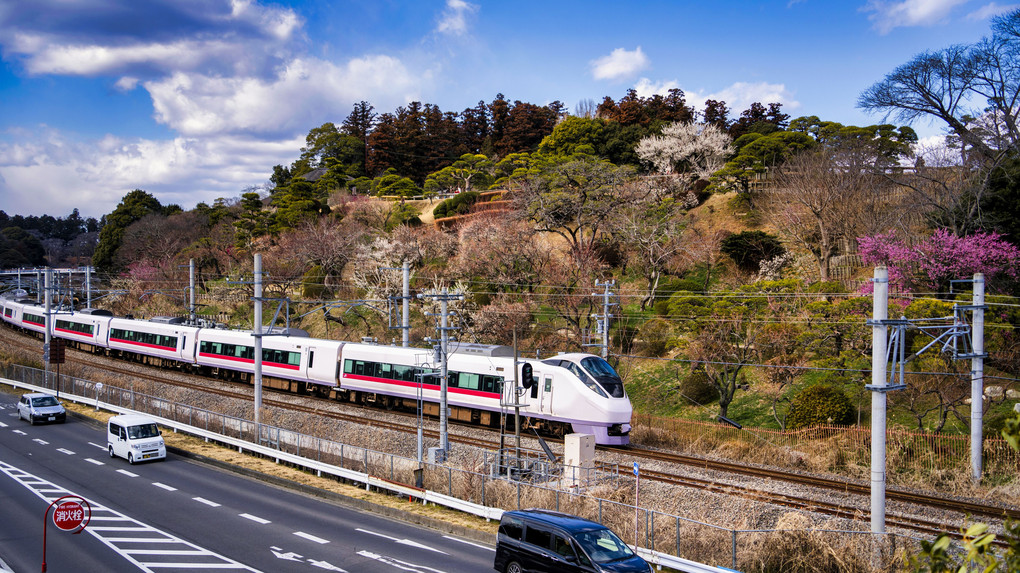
(72, 513)
(637, 505)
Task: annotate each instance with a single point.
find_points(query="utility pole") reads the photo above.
(405, 320)
(257, 333)
(602, 320)
(879, 338)
(443, 358)
(977, 377)
(47, 326)
(88, 287)
(191, 291)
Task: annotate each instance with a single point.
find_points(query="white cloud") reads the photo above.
(51, 174)
(232, 36)
(647, 88)
(126, 83)
(619, 65)
(889, 15)
(301, 95)
(740, 95)
(453, 20)
(990, 10)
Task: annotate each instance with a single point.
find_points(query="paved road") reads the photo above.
(177, 515)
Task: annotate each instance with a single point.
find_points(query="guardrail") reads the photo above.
(340, 460)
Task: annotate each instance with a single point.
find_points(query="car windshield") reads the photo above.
(603, 546)
(45, 401)
(143, 431)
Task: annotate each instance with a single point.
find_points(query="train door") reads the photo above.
(546, 394)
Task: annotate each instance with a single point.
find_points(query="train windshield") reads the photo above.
(605, 374)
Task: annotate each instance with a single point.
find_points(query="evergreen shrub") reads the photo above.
(820, 404)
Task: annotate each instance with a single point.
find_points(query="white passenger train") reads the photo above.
(568, 392)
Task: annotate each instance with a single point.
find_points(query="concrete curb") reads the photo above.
(329, 496)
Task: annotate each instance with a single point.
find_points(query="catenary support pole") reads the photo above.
(879, 339)
(88, 287)
(444, 436)
(257, 332)
(405, 317)
(977, 379)
(191, 290)
(47, 320)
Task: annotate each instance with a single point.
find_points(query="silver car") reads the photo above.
(38, 407)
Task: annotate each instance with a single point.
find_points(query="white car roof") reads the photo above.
(131, 420)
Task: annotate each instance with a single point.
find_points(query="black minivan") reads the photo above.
(542, 541)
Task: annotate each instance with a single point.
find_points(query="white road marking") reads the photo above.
(402, 541)
(132, 539)
(92, 461)
(3, 425)
(311, 537)
(164, 486)
(127, 473)
(43, 442)
(466, 542)
(65, 451)
(206, 501)
(404, 565)
(255, 519)
(97, 445)
(20, 432)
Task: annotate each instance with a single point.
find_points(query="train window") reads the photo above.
(452, 379)
(311, 358)
(404, 373)
(468, 380)
(548, 383)
(385, 371)
(490, 383)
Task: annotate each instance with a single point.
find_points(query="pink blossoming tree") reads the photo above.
(940, 258)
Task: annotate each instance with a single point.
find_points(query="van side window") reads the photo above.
(536, 536)
(512, 528)
(561, 546)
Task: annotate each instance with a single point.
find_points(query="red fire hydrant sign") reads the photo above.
(69, 515)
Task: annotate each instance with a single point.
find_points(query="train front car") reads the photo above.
(597, 388)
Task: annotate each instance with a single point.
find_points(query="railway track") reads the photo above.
(808, 504)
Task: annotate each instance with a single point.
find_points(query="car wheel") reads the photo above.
(514, 567)
(111, 450)
(131, 458)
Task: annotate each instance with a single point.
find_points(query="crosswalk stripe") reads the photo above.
(118, 537)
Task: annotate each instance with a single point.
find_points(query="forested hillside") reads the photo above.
(734, 248)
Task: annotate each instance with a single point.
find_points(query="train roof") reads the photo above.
(490, 350)
(94, 311)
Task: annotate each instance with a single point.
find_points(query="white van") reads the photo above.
(135, 438)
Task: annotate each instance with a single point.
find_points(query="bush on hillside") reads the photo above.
(459, 204)
(313, 284)
(749, 248)
(820, 404)
(697, 389)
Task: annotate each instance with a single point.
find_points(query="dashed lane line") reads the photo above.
(206, 501)
(96, 462)
(255, 518)
(127, 473)
(311, 537)
(164, 486)
(65, 451)
(40, 442)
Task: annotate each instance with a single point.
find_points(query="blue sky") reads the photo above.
(192, 100)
